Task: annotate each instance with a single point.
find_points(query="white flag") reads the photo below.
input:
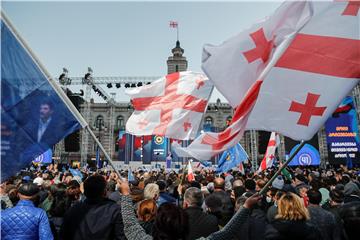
(317, 70)
(269, 157)
(236, 67)
(172, 106)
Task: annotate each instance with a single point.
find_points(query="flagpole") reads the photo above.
(58, 89)
(262, 191)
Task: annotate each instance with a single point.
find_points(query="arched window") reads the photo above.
(208, 120)
(119, 122)
(99, 123)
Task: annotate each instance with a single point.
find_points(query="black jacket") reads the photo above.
(254, 227)
(200, 223)
(294, 230)
(93, 219)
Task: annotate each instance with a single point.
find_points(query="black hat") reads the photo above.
(29, 189)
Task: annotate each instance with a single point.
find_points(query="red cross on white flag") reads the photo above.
(172, 106)
(305, 87)
(304, 80)
(269, 157)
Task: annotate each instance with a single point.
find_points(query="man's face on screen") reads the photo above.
(45, 111)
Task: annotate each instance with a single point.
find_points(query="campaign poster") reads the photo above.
(342, 134)
(121, 143)
(159, 148)
(137, 148)
(146, 149)
(308, 155)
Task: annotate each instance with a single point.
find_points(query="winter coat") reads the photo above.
(294, 230)
(25, 221)
(200, 223)
(93, 219)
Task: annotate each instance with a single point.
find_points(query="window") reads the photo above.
(176, 68)
(208, 120)
(119, 122)
(99, 123)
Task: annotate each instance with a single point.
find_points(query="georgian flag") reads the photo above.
(172, 106)
(318, 69)
(269, 157)
(190, 174)
(236, 68)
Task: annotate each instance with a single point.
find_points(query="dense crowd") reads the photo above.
(60, 203)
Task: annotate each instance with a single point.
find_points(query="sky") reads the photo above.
(132, 38)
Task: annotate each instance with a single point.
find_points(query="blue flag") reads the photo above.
(130, 175)
(76, 172)
(33, 116)
(98, 160)
(349, 162)
(231, 158)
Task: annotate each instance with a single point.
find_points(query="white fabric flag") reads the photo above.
(269, 157)
(237, 63)
(172, 106)
(235, 68)
(317, 70)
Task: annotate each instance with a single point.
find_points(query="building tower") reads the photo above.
(177, 62)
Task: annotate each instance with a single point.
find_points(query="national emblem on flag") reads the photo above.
(190, 174)
(269, 157)
(172, 106)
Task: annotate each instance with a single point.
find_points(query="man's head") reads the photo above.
(28, 191)
(314, 196)
(219, 184)
(46, 110)
(95, 187)
(151, 191)
(193, 197)
(250, 185)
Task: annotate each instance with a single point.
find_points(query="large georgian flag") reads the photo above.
(318, 69)
(269, 157)
(237, 63)
(172, 106)
(235, 68)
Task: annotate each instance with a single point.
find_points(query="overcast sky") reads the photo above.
(127, 38)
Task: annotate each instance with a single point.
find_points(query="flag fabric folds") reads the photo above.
(305, 80)
(231, 158)
(311, 78)
(190, 173)
(237, 63)
(240, 62)
(172, 106)
(34, 116)
(269, 157)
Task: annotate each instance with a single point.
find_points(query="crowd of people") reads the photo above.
(304, 203)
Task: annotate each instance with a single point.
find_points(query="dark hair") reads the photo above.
(171, 223)
(337, 195)
(314, 196)
(238, 191)
(29, 189)
(250, 184)
(47, 102)
(195, 184)
(161, 184)
(94, 187)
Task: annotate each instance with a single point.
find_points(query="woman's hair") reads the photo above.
(147, 210)
(291, 207)
(171, 223)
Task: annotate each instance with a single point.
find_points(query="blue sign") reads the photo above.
(342, 134)
(45, 158)
(307, 156)
(159, 148)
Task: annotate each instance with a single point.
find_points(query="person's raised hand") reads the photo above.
(252, 201)
(123, 186)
